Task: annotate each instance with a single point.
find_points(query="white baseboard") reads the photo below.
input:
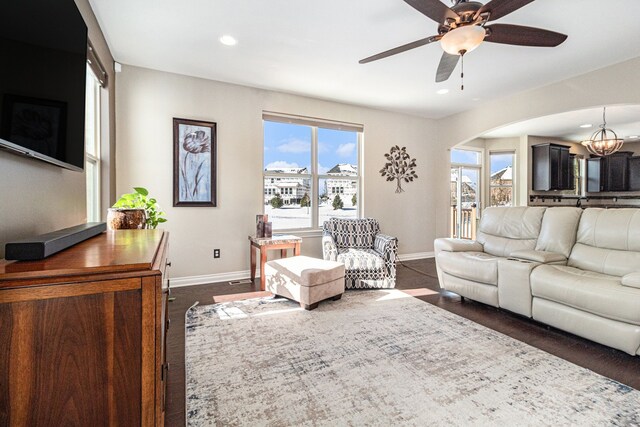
(417, 255)
(179, 282)
(211, 278)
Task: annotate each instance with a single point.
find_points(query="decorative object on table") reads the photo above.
(36, 124)
(260, 222)
(135, 210)
(264, 244)
(399, 167)
(194, 163)
(268, 229)
(369, 256)
(126, 219)
(604, 141)
(376, 358)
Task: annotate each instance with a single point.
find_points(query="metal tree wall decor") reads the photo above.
(399, 167)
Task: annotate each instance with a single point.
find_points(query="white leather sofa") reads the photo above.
(575, 270)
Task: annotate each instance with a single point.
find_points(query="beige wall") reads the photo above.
(615, 85)
(36, 197)
(147, 101)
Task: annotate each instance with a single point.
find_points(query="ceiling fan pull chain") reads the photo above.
(462, 71)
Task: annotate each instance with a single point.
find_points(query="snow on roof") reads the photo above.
(286, 170)
(343, 168)
(505, 174)
(465, 179)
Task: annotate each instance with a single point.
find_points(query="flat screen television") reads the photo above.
(43, 66)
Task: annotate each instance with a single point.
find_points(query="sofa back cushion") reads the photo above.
(352, 233)
(608, 241)
(558, 230)
(509, 229)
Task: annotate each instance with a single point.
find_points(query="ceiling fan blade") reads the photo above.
(447, 65)
(500, 8)
(433, 9)
(523, 36)
(400, 49)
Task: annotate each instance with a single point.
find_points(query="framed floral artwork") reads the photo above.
(194, 163)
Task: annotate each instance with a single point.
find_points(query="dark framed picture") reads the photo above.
(194, 163)
(37, 124)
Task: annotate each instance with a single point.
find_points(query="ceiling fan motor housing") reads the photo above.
(467, 15)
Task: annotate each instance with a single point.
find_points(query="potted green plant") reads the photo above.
(135, 210)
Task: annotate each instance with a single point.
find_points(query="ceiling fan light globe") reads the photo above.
(463, 39)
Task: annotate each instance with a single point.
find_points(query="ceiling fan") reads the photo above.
(463, 27)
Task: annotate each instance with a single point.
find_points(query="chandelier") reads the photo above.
(603, 141)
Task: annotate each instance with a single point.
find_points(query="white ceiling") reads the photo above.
(313, 47)
(623, 119)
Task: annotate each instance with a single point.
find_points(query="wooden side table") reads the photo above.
(264, 244)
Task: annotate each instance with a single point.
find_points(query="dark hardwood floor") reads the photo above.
(422, 284)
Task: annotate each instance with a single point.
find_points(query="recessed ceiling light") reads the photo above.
(633, 137)
(586, 125)
(442, 91)
(228, 40)
(476, 99)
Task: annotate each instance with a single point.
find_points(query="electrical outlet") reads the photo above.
(216, 253)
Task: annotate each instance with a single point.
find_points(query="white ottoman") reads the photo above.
(305, 280)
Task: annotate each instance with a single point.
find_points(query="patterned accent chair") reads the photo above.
(369, 256)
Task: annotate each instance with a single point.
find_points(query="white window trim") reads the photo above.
(91, 158)
(315, 229)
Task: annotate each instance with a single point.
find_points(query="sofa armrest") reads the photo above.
(457, 245)
(387, 247)
(329, 248)
(632, 280)
(543, 257)
(384, 244)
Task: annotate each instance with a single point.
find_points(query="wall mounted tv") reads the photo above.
(43, 63)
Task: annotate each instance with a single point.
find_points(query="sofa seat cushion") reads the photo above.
(592, 292)
(360, 259)
(632, 280)
(475, 266)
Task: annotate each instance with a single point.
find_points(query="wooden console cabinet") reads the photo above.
(82, 334)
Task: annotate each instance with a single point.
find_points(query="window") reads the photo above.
(501, 182)
(465, 157)
(92, 146)
(310, 171)
(466, 170)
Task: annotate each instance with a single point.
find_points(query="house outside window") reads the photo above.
(501, 181)
(310, 171)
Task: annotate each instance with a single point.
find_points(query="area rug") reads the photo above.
(381, 358)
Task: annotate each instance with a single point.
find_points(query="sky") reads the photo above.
(289, 146)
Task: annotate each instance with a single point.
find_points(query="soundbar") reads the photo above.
(40, 247)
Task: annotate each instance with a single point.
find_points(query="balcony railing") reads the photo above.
(466, 225)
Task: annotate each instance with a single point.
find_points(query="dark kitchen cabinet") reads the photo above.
(609, 173)
(634, 174)
(552, 167)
